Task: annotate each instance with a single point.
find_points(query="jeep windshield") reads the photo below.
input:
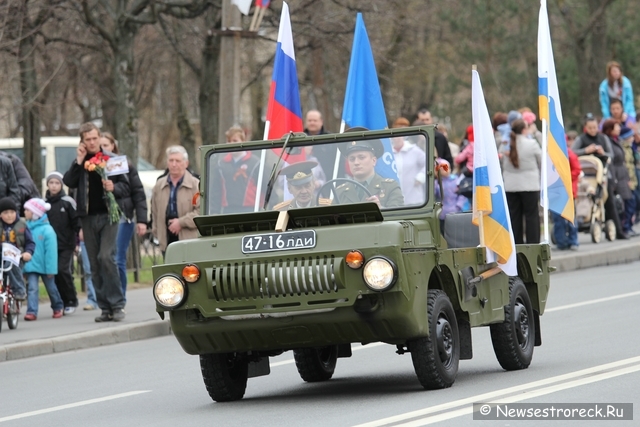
(391, 172)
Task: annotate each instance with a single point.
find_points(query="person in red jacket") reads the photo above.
(564, 231)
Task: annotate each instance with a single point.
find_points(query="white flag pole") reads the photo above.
(474, 67)
(254, 18)
(543, 185)
(261, 13)
(263, 158)
(336, 164)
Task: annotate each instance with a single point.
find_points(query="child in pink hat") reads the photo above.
(44, 262)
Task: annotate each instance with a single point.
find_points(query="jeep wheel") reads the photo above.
(316, 364)
(436, 357)
(225, 375)
(514, 339)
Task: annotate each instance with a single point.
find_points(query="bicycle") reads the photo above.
(10, 305)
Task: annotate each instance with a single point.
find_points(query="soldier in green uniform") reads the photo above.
(362, 157)
(302, 185)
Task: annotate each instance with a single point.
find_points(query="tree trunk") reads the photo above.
(591, 58)
(599, 57)
(108, 105)
(30, 109)
(256, 95)
(124, 87)
(187, 139)
(209, 84)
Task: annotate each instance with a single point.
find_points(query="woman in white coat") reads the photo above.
(521, 174)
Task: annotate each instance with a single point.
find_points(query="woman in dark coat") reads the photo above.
(134, 202)
(618, 168)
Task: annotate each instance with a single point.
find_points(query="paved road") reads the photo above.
(79, 331)
(591, 321)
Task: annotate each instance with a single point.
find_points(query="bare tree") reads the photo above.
(202, 59)
(23, 22)
(589, 39)
(118, 23)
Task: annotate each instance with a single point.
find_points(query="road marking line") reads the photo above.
(593, 301)
(490, 396)
(524, 396)
(362, 347)
(72, 405)
(548, 310)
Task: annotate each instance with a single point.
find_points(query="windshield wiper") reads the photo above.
(274, 173)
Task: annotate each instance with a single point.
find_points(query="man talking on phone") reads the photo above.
(99, 233)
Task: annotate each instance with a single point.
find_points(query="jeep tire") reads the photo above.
(514, 339)
(316, 364)
(436, 357)
(225, 375)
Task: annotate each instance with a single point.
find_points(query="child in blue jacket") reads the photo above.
(44, 262)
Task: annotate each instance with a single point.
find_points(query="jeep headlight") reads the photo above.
(380, 273)
(169, 291)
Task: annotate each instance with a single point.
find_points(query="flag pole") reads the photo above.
(254, 19)
(263, 159)
(474, 67)
(259, 22)
(545, 193)
(336, 163)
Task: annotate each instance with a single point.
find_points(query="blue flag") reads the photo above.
(363, 104)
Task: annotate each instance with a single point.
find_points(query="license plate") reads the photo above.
(279, 241)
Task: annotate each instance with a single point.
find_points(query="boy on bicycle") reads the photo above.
(16, 233)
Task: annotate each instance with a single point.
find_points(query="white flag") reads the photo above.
(243, 5)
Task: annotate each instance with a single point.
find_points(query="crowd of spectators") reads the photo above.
(46, 232)
(50, 230)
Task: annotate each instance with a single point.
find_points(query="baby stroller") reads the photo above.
(592, 193)
(10, 305)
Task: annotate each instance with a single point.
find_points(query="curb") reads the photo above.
(620, 255)
(114, 335)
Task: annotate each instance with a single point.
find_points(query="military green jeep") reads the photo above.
(303, 246)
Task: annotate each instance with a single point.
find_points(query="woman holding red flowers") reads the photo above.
(95, 195)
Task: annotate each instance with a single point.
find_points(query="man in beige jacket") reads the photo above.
(172, 204)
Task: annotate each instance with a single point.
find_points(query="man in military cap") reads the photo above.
(362, 157)
(302, 185)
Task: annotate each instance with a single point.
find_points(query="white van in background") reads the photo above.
(58, 152)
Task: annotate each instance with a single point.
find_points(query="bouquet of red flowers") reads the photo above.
(98, 163)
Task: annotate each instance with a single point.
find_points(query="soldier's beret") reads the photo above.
(372, 145)
(299, 173)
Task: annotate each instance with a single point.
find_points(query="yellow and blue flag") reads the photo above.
(558, 191)
(489, 198)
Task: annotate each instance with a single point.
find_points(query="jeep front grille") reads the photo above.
(274, 278)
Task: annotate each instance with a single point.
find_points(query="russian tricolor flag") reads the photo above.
(284, 114)
(265, 4)
(490, 209)
(283, 111)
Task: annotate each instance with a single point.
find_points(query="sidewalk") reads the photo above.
(596, 255)
(78, 331)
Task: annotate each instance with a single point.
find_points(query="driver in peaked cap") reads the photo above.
(302, 186)
(362, 157)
